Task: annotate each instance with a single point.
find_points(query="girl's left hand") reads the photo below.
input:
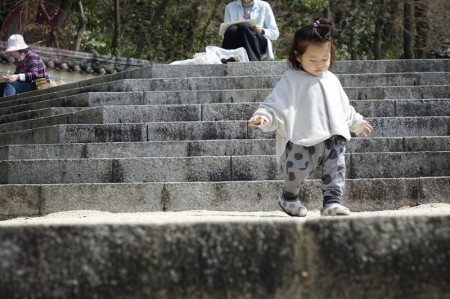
(366, 130)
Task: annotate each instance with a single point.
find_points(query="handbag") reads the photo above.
(41, 83)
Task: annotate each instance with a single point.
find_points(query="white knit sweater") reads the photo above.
(307, 110)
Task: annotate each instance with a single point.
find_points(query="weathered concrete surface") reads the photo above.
(242, 253)
(360, 195)
(345, 67)
(207, 254)
(398, 92)
(78, 133)
(105, 97)
(150, 260)
(43, 112)
(153, 71)
(212, 168)
(180, 148)
(190, 148)
(377, 257)
(250, 82)
(391, 127)
(198, 112)
(202, 130)
(235, 69)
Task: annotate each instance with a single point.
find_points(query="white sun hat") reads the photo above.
(15, 43)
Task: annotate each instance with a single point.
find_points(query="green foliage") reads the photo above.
(168, 30)
(309, 6)
(361, 30)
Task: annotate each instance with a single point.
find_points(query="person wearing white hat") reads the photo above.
(30, 71)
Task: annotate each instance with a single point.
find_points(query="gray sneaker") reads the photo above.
(292, 207)
(335, 209)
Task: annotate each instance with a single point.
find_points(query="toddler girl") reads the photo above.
(313, 118)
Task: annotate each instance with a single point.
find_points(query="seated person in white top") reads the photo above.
(256, 40)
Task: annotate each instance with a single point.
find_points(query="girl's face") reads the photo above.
(316, 59)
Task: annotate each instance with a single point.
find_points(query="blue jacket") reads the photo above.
(262, 12)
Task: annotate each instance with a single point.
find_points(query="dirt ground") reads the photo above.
(97, 217)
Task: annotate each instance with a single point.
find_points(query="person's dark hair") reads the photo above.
(320, 31)
(23, 50)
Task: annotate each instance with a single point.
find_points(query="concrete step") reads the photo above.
(204, 112)
(20, 106)
(112, 114)
(264, 68)
(182, 148)
(249, 82)
(218, 255)
(211, 168)
(256, 82)
(236, 69)
(390, 127)
(165, 131)
(95, 99)
(154, 71)
(345, 67)
(368, 108)
(78, 134)
(402, 108)
(371, 194)
(235, 242)
(250, 95)
(193, 148)
(39, 113)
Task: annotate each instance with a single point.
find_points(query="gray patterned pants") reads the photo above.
(300, 162)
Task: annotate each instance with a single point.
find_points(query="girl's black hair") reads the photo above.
(320, 31)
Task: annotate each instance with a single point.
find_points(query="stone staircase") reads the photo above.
(170, 138)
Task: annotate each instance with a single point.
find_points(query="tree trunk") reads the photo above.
(82, 28)
(377, 37)
(353, 34)
(158, 14)
(116, 41)
(66, 6)
(154, 21)
(331, 8)
(408, 21)
(208, 23)
(389, 26)
(422, 29)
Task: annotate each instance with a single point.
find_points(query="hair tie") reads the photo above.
(316, 24)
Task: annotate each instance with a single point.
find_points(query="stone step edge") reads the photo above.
(344, 66)
(221, 156)
(263, 257)
(115, 105)
(85, 112)
(57, 112)
(86, 150)
(30, 101)
(149, 72)
(210, 169)
(43, 127)
(361, 195)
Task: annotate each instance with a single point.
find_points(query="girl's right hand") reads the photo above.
(257, 121)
